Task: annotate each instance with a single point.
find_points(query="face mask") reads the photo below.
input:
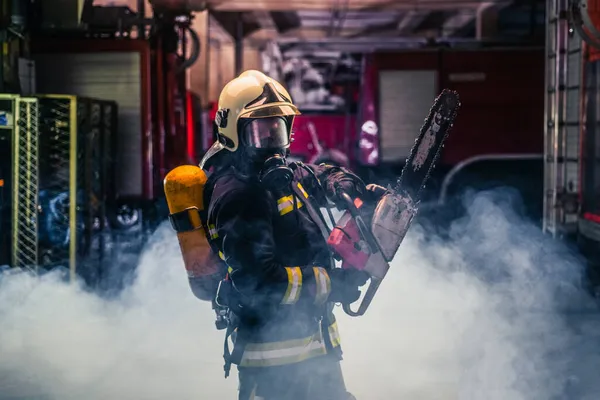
(266, 141)
(275, 174)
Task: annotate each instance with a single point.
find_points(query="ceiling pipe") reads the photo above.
(315, 5)
(396, 40)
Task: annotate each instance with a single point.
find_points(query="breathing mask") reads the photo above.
(266, 142)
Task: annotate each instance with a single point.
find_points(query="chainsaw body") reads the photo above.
(388, 224)
(367, 238)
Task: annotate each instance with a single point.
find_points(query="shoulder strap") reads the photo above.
(208, 192)
(314, 213)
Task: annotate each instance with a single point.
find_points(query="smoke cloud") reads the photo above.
(490, 310)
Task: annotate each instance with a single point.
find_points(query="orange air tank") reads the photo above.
(184, 190)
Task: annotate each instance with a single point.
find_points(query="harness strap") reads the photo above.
(234, 357)
(316, 216)
(314, 213)
(226, 352)
(320, 186)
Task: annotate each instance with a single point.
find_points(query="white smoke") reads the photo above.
(155, 342)
(478, 315)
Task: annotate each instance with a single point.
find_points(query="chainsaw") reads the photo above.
(366, 237)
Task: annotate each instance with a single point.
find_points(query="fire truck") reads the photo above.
(572, 134)
(367, 113)
(362, 107)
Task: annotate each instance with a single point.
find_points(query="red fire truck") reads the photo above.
(578, 28)
(588, 226)
(499, 131)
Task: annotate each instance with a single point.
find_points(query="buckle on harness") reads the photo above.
(224, 292)
(222, 319)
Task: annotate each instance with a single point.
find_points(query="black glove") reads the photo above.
(345, 284)
(345, 181)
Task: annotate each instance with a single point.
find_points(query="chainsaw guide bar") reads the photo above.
(428, 145)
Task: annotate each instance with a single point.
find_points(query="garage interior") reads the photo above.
(100, 99)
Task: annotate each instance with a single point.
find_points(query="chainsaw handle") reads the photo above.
(360, 223)
(374, 246)
(342, 195)
(366, 301)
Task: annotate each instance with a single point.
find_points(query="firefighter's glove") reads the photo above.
(344, 181)
(345, 284)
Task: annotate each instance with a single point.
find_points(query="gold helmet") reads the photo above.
(250, 97)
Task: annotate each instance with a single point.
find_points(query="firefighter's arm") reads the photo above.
(244, 221)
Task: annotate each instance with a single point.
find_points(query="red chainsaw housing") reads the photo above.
(345, 240)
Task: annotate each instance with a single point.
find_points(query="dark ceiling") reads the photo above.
(264, 20)
(515, 20)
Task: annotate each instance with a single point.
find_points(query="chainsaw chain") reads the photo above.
(440, 102)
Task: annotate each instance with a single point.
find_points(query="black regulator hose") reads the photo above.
(195, 53)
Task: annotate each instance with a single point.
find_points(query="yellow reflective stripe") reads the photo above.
(292, 294)
(282, 353)
(334, 334)
(302, 190)
(323, 285)
(222, 257)
(286, 204)
(212, 231)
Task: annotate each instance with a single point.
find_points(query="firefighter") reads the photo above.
(263, 220)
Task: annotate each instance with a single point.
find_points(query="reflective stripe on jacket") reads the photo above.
(276, 353)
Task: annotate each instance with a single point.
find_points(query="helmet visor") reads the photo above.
(266, 133)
